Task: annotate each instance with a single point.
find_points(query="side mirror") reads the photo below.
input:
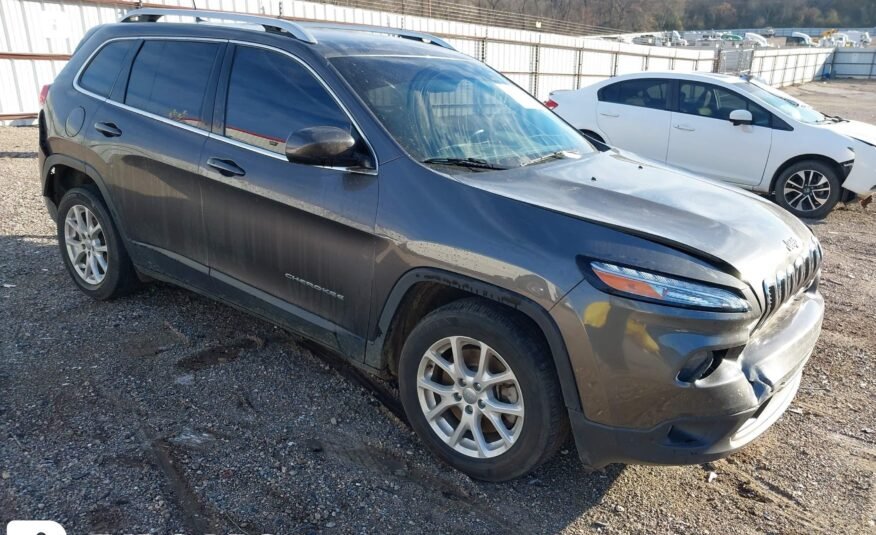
(738, 117)
(323, 145)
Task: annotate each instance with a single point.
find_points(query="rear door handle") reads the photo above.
(226, 167)
(108, 129)
(609, 114)
(684, 127)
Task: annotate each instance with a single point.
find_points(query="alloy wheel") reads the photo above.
(470, 397)
(86, 244)
(806, 190)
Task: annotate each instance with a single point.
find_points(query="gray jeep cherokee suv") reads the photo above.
(411, 209)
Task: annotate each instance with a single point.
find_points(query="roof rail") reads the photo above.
(270, 24)
(404, 34)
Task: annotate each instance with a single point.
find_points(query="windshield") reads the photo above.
(784, 102)
(447, 111)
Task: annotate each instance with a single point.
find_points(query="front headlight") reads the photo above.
(640, 284)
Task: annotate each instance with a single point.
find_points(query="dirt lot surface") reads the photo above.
(165, 412)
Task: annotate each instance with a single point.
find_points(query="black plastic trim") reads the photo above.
(374, 349)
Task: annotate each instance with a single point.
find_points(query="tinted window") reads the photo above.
(170, 78)
(708, 100)
(644, 93)
(271, 95)
(101, 73)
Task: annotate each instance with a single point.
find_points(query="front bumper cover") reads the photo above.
(862, 178)
(628, 359)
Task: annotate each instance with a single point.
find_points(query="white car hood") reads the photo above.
(862, 131)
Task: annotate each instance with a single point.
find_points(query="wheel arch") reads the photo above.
(422, 290)
(802, 158)
(61, 173)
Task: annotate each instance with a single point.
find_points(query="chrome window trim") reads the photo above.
(219, 137)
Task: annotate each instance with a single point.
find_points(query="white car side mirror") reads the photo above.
(738, 117)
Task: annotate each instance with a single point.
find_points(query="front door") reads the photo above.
(296, 237)
(703, 140)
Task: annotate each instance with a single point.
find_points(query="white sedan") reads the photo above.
(733, 129)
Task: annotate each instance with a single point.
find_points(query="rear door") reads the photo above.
(148, 138)
(634, 114)
(298, 237)
(703, 140)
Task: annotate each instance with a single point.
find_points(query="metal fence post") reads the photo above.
(872, 65)
(580, 58)
(533, 68)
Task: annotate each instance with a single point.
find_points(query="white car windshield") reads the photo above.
(784, 102)
(458, 112)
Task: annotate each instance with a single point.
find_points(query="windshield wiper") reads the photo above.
(558, 155)
(471, 163)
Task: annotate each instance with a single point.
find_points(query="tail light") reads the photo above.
(44, 93)
(551, 104)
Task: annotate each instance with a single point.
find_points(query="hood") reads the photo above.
(698, 215)
(861, 131)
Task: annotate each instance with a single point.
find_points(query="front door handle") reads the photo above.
(108, 129)
(684, 127)
(609, 114)
(226, 167)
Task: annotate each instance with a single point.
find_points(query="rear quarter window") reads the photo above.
(100, 75)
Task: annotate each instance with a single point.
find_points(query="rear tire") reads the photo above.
(809, 189)
(472, 365)
(91, 247)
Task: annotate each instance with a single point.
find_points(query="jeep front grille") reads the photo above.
(790, 280)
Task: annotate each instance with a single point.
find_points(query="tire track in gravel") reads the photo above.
(196, 516)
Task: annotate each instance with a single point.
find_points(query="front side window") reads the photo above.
(784, 102)
(646, 93)
(707, 100)
(170, 79)
(101, 73)
(458, 112)
(271, 96)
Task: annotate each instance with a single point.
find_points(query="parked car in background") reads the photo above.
(416, 212)
(859, 38)
(733, 129)
(755, 40)
(799, 39)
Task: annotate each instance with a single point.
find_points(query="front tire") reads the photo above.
(91, 247)
(480, 389)
(808, 189)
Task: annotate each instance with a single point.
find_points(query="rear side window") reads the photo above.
(270, 95)
(646, 93)
(170, 79)
(101, 73)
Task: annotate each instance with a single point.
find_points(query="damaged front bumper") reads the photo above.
(862, 177)
(640, 408)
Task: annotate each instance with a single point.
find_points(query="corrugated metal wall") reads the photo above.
(787, 66)
(37, 37)
(854, 63)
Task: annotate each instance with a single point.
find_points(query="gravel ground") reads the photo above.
(165, 412)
